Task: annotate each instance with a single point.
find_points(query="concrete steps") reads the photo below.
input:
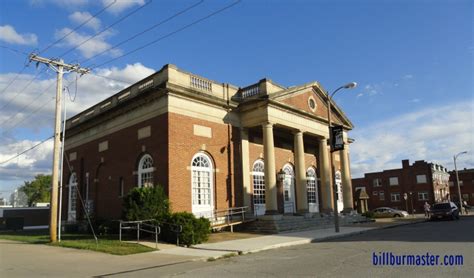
(298, 223)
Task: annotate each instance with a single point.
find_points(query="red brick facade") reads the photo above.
(172, 123)
(466, 183)
(426, 182)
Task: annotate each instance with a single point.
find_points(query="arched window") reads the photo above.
(258, 175)
(72, 198)
(202, 183)
(145, 171)
(289, 189)
(312, 190)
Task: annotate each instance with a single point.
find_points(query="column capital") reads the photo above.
(297, 132)
(267, 125)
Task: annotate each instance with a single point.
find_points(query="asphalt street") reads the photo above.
(351, 256)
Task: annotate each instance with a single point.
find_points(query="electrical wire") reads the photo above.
(171, 33)
(145, 31)
(107, 28)
(24, 88)
(79, 26)
(27, 150)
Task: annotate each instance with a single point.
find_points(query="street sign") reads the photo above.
(337, 143)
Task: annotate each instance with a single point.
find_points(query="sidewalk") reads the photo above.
(226, 248)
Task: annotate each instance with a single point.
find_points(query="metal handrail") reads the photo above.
(130, 225)
(228, 216)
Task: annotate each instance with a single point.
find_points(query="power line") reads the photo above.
(42, 142)
(107, 28)
(171, 33)
(145, 31)
(79, 26)
(27, 105)
(14, 50)
(24, 88)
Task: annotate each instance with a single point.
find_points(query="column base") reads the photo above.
(271, 215)
(348, 211)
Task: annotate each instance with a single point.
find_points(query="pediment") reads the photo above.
(311, 98)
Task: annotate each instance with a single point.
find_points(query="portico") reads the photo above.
(290, 138)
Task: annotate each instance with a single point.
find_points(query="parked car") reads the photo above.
(389, 212)
(444, 210)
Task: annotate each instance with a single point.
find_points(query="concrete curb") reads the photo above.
(314, 240)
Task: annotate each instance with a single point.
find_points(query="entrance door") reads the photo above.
(288, 189)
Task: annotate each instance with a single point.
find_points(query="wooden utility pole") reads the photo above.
(59, 66)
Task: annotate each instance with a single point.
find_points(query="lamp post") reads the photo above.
(335, 197)
(457, 180)
(411, 202)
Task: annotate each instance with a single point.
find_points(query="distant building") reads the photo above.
(421, 182)
(466, 183)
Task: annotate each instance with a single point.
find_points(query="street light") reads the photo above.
(457, 180)
(335, 197)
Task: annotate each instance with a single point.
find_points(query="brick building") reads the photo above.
(466, 183)
(210, 145)
(421, 182)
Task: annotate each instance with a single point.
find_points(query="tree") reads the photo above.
(38, 190)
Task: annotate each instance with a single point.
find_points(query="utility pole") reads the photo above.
(59, 66)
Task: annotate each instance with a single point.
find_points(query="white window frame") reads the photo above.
(312, 189)
(72, 198)
(375, 193)
(377, 182)
(258, 183)
(382, 195)
(145, 173)
(393, 181)
(395, 197)
(423, 193)
(202, 184)
(421, 178)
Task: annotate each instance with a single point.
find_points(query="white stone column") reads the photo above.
(244, 155)
(346, 179)
(301, 191)
(326, 177)
(270, 173)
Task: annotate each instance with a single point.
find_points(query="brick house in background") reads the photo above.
(421, 181)
(210, 145)
(466, 183)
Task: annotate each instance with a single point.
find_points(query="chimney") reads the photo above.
(405, 163)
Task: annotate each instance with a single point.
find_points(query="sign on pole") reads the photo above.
(337, 143)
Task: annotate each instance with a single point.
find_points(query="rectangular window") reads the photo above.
(420, 178)
(461, 183)
(423, 196)
(451, 183)
(381, 195)
(120, 187)
(465, 197)
(393, 180)
(377, 182)
(362, 188)
(375, 193)
(395, 197)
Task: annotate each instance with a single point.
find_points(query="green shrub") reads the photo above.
(368, 214)
(146, 203)
(195, 230)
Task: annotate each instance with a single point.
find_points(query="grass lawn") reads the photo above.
(78, 241)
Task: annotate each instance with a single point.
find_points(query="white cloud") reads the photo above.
(90, 90)
(369, 90)
(90, 48)
(408, 76)
(121, 5)
(433, 134)
(61, 3)
(8, 34)
(81, 17)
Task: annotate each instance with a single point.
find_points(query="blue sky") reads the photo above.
(413, 61)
